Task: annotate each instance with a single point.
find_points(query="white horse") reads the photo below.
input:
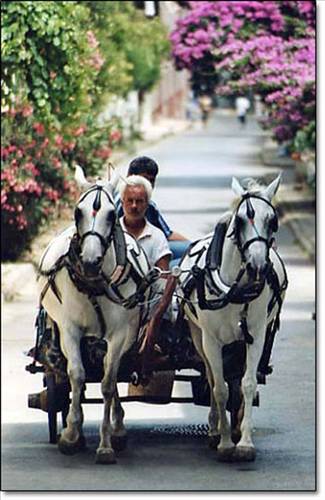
(91, 279)
(233, 285)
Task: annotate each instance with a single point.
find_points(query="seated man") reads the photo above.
(148, 168)
(135, 197)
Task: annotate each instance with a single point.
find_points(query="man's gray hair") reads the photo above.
(135, 180)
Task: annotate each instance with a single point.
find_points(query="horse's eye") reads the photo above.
(77, 215)
(273, 224)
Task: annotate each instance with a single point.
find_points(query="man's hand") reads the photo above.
(163, 263)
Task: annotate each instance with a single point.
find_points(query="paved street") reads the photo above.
(167, 448)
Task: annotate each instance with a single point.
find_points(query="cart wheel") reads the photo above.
(51, 405)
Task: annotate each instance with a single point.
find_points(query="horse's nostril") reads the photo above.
(252, 272)
(91, 267)
(264, 270)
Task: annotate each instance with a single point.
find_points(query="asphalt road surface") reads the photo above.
(167, 446)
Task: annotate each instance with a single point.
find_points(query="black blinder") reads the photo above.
(111, 217)
(238, 226)
(274, 224)
(77, 215)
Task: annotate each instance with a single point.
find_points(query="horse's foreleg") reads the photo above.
(105, 453)
(118, 437)
(214, 437)
(72, 439)
(245, 448)
(213, 352)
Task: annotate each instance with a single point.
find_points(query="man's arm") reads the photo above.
(176, 237)
(155, 217)
(163, 263)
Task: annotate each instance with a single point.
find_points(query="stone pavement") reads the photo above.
(297, 207)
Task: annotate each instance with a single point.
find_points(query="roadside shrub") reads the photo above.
(34, 180)
(49, 60)
(36, 172)
(91, 145)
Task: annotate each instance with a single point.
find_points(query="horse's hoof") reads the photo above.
(71, 447)
(235, 436)
(213, 441)
(225, 454)
(105, 456)
(245, 454)
(119, 443)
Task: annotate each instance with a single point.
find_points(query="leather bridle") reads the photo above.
(250, 212)
(105, 241)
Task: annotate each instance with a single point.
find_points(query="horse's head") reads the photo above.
(254, 223)
(95, 218)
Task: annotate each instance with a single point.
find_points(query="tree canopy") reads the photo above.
(267, 47)
(67, 57)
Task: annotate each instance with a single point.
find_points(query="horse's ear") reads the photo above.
(113, 182)
(80, 178)
(272, 188)
(237, 187)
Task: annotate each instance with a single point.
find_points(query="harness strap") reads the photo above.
(214, 254)
(223, 298)
(142, 286)
(100, 316)
(51, 274)
(243, 325)
(252, 240)
(190, 282)
(119, 244)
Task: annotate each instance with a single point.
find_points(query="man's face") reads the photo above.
(135, 202)
(151, 178)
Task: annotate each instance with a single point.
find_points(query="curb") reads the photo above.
(297, 208)
(305, 243)
(299, 216)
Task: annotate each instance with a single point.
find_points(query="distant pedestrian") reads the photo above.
(205, 103)
(242, 106)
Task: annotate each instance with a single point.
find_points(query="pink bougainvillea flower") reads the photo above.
(80, 130)
(115, 135)
(39, 128)
(27, 111)
(103, 153)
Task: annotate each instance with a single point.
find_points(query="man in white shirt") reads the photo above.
(135, 196)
